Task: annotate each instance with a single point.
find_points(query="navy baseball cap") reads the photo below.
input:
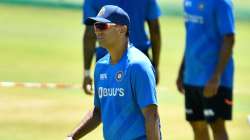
(110, 14)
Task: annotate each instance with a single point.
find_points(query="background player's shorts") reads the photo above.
(199, 107)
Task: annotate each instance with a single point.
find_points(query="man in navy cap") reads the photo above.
(125, 86)
(139, 11)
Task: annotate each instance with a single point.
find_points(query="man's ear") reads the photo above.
(124, 29)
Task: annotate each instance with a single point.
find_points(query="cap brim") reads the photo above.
(92, 20)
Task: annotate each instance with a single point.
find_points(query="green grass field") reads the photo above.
(44, 45)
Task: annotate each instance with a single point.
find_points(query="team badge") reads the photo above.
(119, 76)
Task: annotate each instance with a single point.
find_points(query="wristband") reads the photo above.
(69, 138)
(86, 73)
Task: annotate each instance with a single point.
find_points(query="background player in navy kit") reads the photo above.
(206, 72)
(125, 87)
(139, 11)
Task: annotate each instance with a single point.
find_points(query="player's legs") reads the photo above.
(219, 130)
(219, 109)
(200, 130)
(194, 112)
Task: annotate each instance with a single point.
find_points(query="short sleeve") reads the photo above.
(143, 84)
(88, 9)
(225, 17)
(153, 10)
(96, 96)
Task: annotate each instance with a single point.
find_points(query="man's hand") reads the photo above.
(179, 83)
(69, 138)
(225, 53)
(211, 87)
(152, 122)
(87, 85)
(90, 121)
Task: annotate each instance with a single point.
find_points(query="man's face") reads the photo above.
(107, 33)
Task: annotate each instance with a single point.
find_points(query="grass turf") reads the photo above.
(44, 45)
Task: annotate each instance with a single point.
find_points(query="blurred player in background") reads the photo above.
(125, 87)
(140, 11)
(206, 72)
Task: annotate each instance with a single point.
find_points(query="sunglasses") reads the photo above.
(103, 26)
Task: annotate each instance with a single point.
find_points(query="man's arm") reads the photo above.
(152, 122)
(89, 41)
(225, 54)
(91, 120)
(179, 81)
(155, 38)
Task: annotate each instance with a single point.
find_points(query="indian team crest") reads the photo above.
(102, 11)
(119, 76)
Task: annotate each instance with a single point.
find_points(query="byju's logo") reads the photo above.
(110, 92)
